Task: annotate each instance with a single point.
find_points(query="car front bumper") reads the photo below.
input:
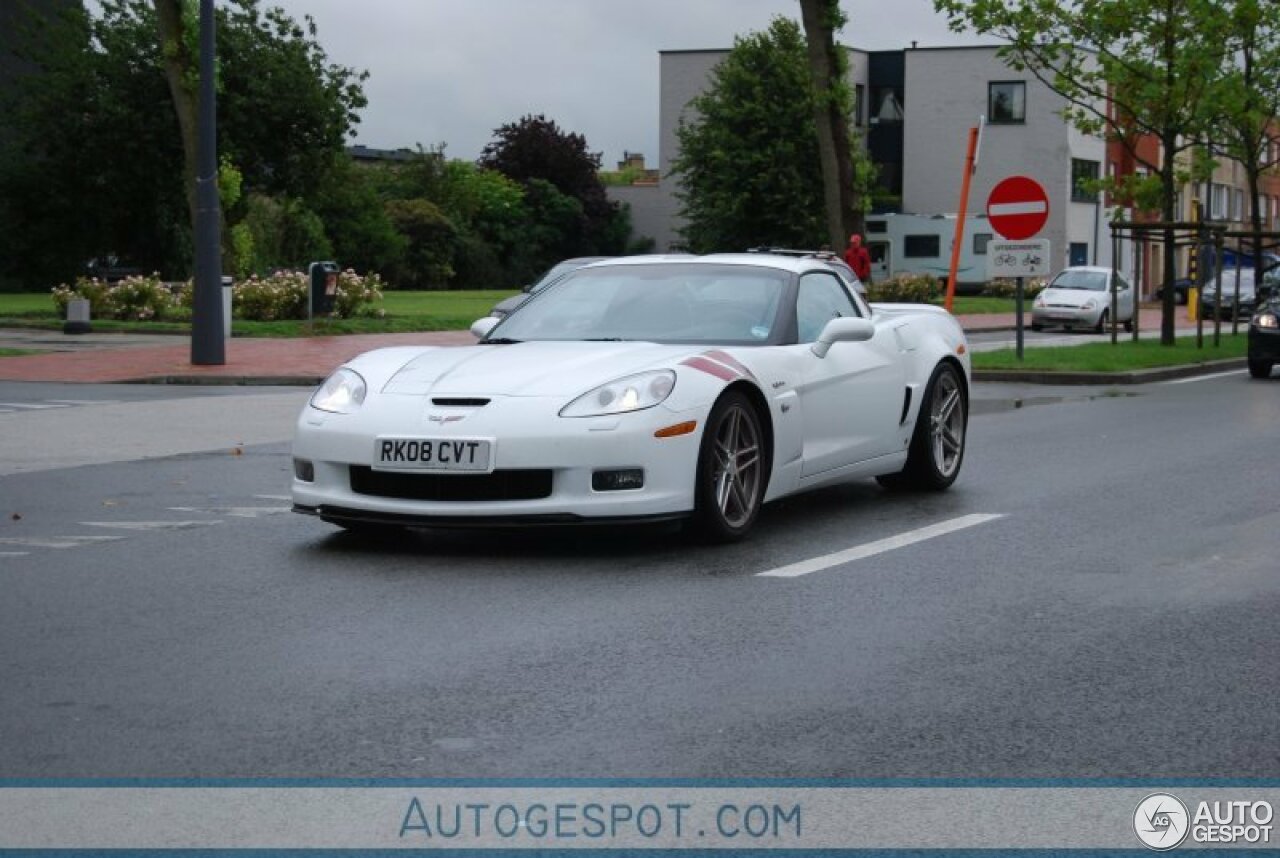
(1071, 316)
(543, 464)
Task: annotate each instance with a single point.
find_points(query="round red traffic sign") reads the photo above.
(1018, 208)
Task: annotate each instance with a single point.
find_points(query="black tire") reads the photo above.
(1128, 325)
(1259, 368)
(1102, 322)
(1037, 327)
(937, 443)
(732, 471)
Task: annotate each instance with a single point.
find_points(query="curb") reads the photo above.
(1140, 376)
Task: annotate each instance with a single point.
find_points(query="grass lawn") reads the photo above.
(405, 312)
(17, 352)
(1122, 357)
(964, 305)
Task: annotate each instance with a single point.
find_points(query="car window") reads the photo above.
(1073, 278)
(820, 299)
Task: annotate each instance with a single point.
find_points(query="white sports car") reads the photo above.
(642, 389)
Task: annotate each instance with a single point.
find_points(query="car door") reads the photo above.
(850, 399)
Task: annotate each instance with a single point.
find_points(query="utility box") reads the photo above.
(227, 284)
(324, 288)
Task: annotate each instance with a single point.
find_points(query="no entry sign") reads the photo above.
(1018, 208)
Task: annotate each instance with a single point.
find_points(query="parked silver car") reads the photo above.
(1080, 297)
(506, 305)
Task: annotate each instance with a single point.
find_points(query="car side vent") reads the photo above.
(459, 402)
(906, 407)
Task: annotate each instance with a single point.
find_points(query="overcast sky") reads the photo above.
(451, 71)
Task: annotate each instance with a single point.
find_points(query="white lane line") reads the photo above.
(149, 525)
(85, 401)
(880, 546)
(31, 406)
(235, 511)
(1205, 377)
(56, 541)
(15, 553)
(273, 497)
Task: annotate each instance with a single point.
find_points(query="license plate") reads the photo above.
(432, 454)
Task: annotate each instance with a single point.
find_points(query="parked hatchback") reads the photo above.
(1080, 297)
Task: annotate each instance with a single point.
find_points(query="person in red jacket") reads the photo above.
(858, 258)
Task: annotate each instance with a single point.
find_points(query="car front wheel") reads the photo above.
(731, 471)
(1259, 368)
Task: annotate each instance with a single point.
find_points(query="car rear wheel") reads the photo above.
(937, 443)
(1102, 322)
(731, 471)
(1259, 368)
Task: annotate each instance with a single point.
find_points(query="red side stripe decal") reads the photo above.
(730, 360)
(700, 363)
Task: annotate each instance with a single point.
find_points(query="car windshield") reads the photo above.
(1229, 282)
(555, 272)
(674, 303)
(1095, 281)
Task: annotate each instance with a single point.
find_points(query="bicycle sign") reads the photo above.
(1018, 258)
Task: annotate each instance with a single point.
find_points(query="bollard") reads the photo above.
(1193, 303)
(77, 317)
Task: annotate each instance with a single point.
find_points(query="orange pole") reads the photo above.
(964, 208)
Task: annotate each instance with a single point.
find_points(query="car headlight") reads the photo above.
(341, 393)
(632, 393)
(1039, 302)
(1266, 320)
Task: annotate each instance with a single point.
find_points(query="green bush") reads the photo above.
(906, 289)
(1005, 288)
(133, 299)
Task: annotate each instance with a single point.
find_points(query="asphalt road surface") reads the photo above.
(1097, 596)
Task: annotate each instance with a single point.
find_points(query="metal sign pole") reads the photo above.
(1018, 293)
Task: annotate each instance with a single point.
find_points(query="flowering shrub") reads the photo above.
(283, 295)
(133, 299)
(1005, 288)
(905, 289)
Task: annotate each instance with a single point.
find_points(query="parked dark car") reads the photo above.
(1248, 298)
(1264, 332)
(554, 273)
(1180, 289)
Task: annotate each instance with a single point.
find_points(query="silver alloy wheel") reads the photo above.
(946, 424)
(736, 470)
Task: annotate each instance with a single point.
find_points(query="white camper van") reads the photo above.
(921, 244)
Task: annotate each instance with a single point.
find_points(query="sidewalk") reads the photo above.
(304, 361)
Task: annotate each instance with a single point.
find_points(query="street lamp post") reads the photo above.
(207, 342)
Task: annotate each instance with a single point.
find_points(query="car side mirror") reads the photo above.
(480, 328)
(843, 330)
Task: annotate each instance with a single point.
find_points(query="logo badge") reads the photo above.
(445, 418)
(1161, 821)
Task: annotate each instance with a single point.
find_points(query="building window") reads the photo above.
(886, 105)
(1007, 102)
(1078, 253)
(876, 226)
(1217, 202)
(1082, 173)
(921, 246)
(1237, 204)
(859, 96)
(980, 242)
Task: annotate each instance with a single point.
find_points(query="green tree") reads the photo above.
(1246, 103)
(535, 148)
(1127, 69)
(431, 242)
(749, 167)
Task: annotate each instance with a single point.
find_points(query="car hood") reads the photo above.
(529, 369)
(1072, 297)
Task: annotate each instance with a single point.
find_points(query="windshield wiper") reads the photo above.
(500, 341)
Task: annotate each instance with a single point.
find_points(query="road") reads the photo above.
(1115, 617)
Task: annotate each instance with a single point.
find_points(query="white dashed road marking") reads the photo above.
(880, 546)
(56, 541)
(1205, 377)
(235, 511)
(149, 525)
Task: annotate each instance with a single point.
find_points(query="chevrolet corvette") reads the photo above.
(642, 389)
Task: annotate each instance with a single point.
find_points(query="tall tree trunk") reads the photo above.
(1169, 215)
(843, 208)
(180, 69)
